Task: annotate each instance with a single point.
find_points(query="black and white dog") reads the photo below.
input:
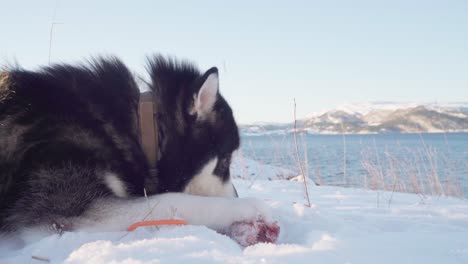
(71, 156)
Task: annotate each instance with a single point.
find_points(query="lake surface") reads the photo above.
(427, 164)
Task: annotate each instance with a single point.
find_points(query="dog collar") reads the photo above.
(148, 128)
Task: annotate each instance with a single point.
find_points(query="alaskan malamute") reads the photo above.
(71, 152)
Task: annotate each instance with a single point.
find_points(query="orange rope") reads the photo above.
(156, 223)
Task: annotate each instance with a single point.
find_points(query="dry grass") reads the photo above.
(299, 160)
(412, 171)
(423, 170)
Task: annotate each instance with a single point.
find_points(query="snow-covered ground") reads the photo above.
(367, 107)
(343, 225)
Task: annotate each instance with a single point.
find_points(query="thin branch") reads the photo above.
(43, 259)
(52, 24)
(344, 155)
(298, 157)
(50, 39)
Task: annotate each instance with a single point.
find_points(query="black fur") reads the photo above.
(183, 137)
(63, 126)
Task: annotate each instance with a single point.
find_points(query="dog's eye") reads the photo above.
(222, 168)
(224, 162)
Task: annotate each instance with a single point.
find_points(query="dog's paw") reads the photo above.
(250, 233)
(253, 223)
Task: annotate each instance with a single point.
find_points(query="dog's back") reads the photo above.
(66, 132)
(69, 135)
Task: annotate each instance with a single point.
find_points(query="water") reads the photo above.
(428, 164)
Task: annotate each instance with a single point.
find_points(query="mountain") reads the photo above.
(384, 117)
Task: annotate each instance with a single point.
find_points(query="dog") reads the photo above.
(72, 157)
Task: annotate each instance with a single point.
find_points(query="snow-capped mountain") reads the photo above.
(384, 117)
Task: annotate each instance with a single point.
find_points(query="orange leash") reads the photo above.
(156, 223)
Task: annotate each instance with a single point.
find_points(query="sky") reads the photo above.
(320, 53)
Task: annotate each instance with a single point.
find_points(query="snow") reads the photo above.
(368, 107)
(361, 117)
(343, 225)
(251, 170)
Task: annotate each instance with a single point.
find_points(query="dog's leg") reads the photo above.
(246, 220)
(214, 212)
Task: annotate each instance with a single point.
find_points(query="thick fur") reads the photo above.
(69, 139)
(186, 142)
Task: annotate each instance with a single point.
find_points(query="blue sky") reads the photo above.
(323, 53)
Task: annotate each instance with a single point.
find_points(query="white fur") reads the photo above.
(205, 183)
(116, 214)
(217, 213)
(115, 184)
(207, 95)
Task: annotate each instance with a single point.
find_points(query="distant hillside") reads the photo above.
(376, 118)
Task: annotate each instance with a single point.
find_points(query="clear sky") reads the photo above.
(323, 53)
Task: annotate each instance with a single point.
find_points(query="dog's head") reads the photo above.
(197, 130)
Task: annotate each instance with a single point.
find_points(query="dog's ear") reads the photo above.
(207, 95)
